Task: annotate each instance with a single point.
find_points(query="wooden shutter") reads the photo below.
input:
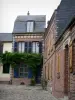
(15, 46)
(40, 47)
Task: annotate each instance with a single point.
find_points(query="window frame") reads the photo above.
(22, 49)
(35, 47)
(30, 30)
(24, 71)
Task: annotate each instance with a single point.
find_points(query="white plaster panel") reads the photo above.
(7, 47)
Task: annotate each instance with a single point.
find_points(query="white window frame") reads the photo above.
(30, 26)
(25, 68)
(21, 47)
(35, 47)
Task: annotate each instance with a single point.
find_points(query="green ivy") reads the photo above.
(31, 59)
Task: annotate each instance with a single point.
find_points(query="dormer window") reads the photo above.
(30, 26)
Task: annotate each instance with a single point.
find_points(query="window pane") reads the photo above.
(21, 74)
(30, 44)
(29, 50)
(26, 69)
(21, 69)
(28, 26)
(33, 47)
(37, 47)
(31, 26)
(40, 47)
(22, 46)
(19, 47)
(25, 49)
(26, 44)
(26, 74)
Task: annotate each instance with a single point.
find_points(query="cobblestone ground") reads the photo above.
(13, 92)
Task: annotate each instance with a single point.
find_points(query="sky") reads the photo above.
(10, 9)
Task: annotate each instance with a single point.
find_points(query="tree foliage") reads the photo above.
(31, 59)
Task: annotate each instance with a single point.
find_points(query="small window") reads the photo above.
(23, 71)
(6, 68)
(30, 26)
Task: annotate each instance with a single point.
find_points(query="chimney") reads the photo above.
(28, 13)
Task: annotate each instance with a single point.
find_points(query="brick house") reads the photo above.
(28, 37)
(57, 58)
(65, 62)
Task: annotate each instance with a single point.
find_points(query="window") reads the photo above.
(21, 47)
(25, 47)
(23, 71)
(6, 68)
(30, 26)
(28, 47)
(35, 47)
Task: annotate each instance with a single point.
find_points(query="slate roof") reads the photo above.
(65, 13)
(71, 24)
(20, 25)
(6, 37)
(31, 17)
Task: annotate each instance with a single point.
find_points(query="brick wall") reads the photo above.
(72, 87)
(59, 74)
(18, 81)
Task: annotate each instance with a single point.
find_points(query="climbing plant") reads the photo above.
(31, 59)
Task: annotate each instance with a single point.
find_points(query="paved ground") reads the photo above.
(13, 92)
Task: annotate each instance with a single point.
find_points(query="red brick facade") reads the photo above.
(61, 61)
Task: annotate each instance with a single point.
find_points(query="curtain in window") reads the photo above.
(21, 47)
(30, 26)
(35, 47)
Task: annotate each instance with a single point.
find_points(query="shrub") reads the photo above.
(44, 83)
(32, 83)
